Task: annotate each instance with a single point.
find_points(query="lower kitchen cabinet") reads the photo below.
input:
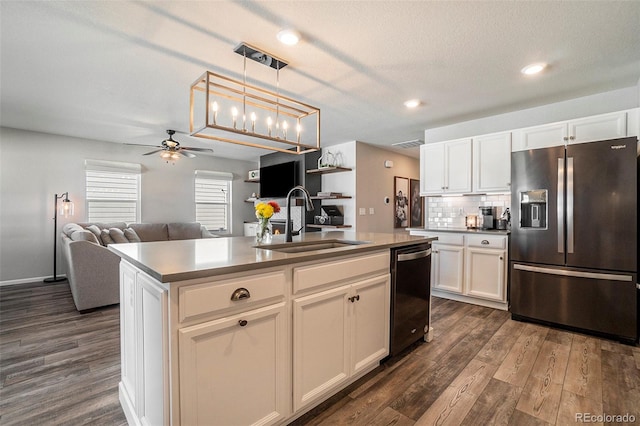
(485, 273)
(447, 267)
(338, 334)
(233, 371)
(469, 267)
(250, 348)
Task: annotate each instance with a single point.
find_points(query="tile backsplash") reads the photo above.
(449, 212)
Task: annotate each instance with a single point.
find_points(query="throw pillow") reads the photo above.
(131, 235)
(95, 230)
(84, 236)
(104, 236)
(117, 236)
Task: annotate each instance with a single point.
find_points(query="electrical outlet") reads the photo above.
(362, 211)
(372, 210)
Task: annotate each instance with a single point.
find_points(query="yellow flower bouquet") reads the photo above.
(264, 212)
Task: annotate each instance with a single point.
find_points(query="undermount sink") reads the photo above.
(303, 246)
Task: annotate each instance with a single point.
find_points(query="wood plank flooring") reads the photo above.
(482, 368)
(60, 367)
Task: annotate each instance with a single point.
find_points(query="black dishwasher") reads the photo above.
(410, 295)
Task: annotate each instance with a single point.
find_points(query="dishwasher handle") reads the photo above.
(412, 256)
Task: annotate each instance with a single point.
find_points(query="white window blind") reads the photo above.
(213, 200)
(113, 191)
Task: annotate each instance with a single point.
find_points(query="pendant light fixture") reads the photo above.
(227, 110)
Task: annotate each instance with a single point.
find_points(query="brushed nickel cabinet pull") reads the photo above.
(484, 242)
(239, 294)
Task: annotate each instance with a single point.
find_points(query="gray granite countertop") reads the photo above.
(170, 261)
(463, 230)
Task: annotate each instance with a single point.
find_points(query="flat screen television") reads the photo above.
(277, 180)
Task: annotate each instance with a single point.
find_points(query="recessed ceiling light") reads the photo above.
(412, 103)
(533, 68)
(288, 37)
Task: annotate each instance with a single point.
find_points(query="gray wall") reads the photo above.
(35, 166)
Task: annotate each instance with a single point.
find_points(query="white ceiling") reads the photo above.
(120, 71)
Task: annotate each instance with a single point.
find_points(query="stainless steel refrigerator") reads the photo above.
(573, 253)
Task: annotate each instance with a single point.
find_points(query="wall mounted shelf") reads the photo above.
(329, 170)
(328, 226)
(332, 197)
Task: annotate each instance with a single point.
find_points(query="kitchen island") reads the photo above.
(221, 331)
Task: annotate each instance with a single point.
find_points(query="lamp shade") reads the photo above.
(66, 208)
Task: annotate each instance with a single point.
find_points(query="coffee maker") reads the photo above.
(487, 217)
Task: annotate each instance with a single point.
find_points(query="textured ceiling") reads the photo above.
(121, 71)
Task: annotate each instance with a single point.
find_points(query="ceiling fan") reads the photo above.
(170, 149)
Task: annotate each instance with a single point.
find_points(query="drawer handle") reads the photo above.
(241, 293)
(484, 242)
(354, 298)
(242, 323)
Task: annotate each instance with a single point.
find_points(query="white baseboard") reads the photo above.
(26, 280)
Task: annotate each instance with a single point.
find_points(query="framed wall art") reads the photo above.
(416, 203)
(401, 199)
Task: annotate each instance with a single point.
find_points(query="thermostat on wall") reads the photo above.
(254, 175)
(388, 164)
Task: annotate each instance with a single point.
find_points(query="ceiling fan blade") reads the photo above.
(141, 144)
(186, 154)
(188, 148)
(153, 152)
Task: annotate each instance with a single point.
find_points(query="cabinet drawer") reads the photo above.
(210, 297)
(341, 271)
(447, 238)
(487, 241)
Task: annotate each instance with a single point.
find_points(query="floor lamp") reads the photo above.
(65, 210)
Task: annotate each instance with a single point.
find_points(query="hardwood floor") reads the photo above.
(57, 366)
(60, 367)
(482, 368)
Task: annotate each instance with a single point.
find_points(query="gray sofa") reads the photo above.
(93, 270)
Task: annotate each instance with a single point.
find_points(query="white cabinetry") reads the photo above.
(254, 347)
(447, 263)
(486, 267)
(341, 332)
(492, 162)
(588, 129)
(234, 370)
(470, 268)
(445, 167)
(143, 348)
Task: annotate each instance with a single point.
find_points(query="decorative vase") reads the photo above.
(264, 231)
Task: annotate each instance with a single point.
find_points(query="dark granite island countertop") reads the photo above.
(170, 261)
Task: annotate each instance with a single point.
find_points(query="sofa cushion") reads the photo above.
(70, 228)
(185, 231)
(105, 237)
(84, 235)
(117, 235)
(131, 235)
(151, 231)
(96, 231)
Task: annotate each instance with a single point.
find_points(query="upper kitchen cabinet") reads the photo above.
(598, 127)
(492, 162)
(445, 167)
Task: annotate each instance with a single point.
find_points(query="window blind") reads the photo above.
(112, 191)
(213, 200)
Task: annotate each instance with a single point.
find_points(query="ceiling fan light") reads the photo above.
(289, 37)
(533, 69)
(412, 103)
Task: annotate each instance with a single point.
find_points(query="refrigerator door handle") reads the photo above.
(578, 274)
(560, 209)
(569, 204)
